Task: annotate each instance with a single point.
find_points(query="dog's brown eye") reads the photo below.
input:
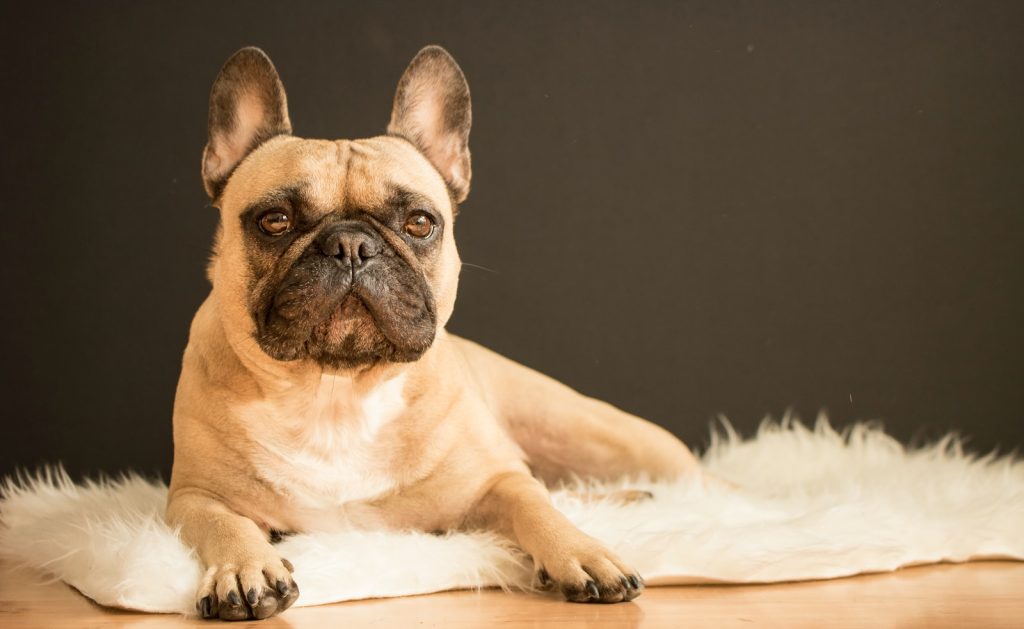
(274, 222)
(419, 225)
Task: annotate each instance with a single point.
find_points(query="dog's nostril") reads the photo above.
(367, 250)
(331, 248)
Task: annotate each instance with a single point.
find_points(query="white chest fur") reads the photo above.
(334, 451)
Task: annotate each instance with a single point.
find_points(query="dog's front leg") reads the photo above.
(245, 577)
(518, 506)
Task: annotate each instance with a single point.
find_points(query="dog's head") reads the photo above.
(339, 252)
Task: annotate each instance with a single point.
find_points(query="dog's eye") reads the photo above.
(274, 222)
(419, 225)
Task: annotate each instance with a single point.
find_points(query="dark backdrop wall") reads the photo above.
(685, 208)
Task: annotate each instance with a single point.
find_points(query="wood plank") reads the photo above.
(983, 594)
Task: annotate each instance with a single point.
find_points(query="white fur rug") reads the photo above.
(815, 504)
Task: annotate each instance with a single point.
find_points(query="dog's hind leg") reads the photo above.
(565, 434)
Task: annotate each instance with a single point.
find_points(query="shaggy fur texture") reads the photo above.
(814, 504)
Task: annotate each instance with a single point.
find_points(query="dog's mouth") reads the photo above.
(383, 313)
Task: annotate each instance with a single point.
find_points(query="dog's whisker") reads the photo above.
(478, 266)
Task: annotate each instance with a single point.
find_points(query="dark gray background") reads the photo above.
(686, 208)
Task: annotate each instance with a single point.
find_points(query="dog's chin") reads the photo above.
(350, 337)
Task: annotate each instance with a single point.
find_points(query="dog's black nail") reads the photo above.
(282, 587)
(543, 577)
(204, 606)
(252, 596)
(592, 590)
(634, 582)
(625, 582)
(233, 598)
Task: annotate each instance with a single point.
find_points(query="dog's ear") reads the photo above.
(432, 110)
(247, 107)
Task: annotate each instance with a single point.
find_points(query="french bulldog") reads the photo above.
(319, 388)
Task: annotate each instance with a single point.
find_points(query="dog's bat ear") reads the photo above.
(248, 106)
(432, 110)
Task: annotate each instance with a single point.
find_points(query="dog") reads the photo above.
(319, 388)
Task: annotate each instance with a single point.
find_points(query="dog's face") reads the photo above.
(338, 252)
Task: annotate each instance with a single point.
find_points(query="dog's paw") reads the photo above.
(587, 572)
(250, 589)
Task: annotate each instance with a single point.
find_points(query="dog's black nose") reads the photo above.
(353, 245)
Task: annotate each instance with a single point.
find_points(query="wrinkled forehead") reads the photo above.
(336, 174)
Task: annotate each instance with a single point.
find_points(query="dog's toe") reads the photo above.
(252, 590)
(232, 608)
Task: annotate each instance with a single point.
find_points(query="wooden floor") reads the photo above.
(988, 595)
